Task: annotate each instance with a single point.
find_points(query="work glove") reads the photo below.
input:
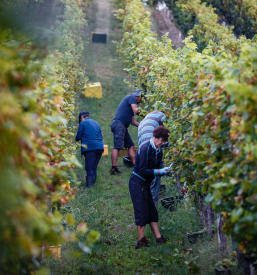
(163, 118)
(162, 171)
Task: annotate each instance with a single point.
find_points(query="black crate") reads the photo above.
(171, 202)
(193, 238)
(127, 162)
(228, 271)
(99, 37)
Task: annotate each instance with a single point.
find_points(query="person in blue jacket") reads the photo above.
(92, 147)
(147, 166)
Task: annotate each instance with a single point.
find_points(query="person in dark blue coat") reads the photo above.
(147, 166)
(92, 147)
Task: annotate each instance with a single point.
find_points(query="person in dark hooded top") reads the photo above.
(147, 166)
(90, 134)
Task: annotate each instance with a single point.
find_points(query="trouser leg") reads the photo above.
(95, 175)
(89, 166)
(90, 181)
(155, 190)
(97, 159)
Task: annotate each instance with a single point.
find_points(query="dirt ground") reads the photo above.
(165, 25)
(103, 16)
(154, 22)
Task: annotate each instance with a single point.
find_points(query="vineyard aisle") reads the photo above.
(107, 206)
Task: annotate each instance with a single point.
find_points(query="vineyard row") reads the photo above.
(37, 103)
(240, 13)
(210, 101)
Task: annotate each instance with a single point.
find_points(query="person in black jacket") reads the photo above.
(92, 147)
(147, 166)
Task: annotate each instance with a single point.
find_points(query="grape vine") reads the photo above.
(194, 14)
(38, 85)
(210, 101)
(242, 14)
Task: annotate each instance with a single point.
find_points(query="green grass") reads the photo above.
(107, 206)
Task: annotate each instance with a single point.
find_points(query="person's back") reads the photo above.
(147, 126)
(124, 111)
(90, 134)
(92, 147)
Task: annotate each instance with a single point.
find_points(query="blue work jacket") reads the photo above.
(90, 134)
(147, 159)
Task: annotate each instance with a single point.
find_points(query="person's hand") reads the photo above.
(162, 171)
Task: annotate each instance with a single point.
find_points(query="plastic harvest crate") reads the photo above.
(194, 237)
(124, 152)
(228, 271)
(55, 251)
(94, 90)
(97, 37)
(105, 152)
(170, 203)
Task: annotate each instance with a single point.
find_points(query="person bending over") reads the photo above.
(145, 133)
(125, 116)
(147, 166)
(92, 147)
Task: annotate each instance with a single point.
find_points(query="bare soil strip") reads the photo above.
(166, 26)
(103, 16)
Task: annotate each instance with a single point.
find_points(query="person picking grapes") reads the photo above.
(90, 134)
(147, 166)
(125, 115)
(145, 133)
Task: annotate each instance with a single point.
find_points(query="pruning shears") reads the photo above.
(169, 169)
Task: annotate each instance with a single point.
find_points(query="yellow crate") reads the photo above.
(105, 152)
(55, 251)
(124, 152)
(94, 90)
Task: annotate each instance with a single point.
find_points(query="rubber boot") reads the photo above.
(95, 174)
(90, 181)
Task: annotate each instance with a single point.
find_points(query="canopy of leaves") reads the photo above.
(37, 100)
(210, 102)
(242, 14)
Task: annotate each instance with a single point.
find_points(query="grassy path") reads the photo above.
(107, 206)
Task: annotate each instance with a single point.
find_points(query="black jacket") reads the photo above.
(147, 159)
